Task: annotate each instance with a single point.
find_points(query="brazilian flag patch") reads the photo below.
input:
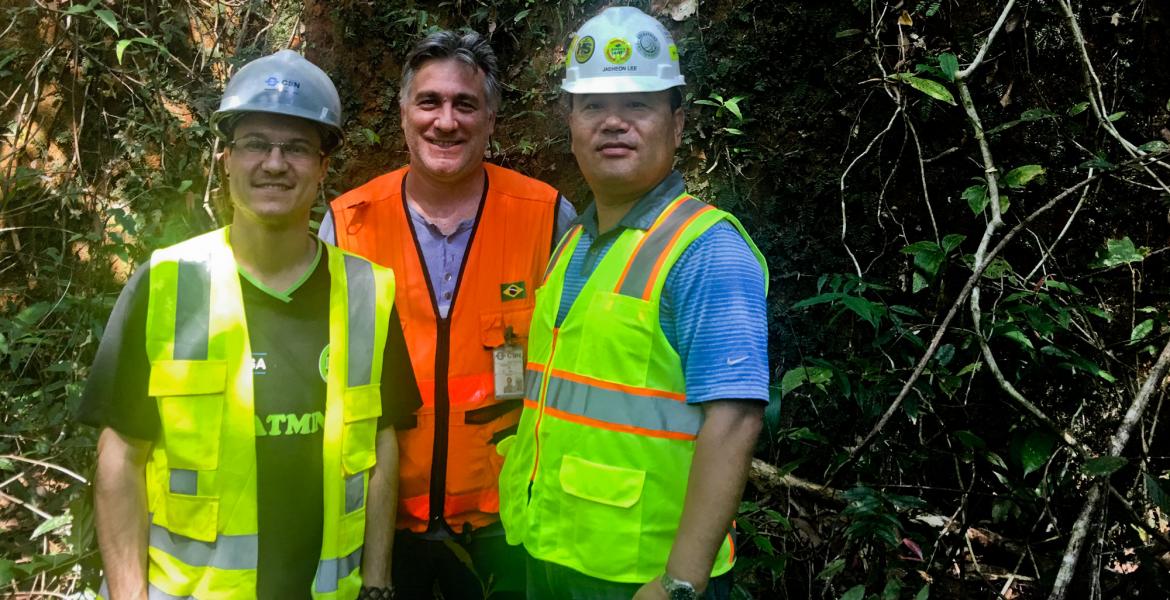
(513, 291)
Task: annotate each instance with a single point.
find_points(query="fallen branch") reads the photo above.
(47, 465)
(766, 476)
(38, 512)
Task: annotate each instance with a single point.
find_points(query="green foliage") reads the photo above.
(929, 257)
(799, 376)
(112, 162)
(949, 65)
(775, 115)
(1036, 450)
(1119, 252)
(1103, 466)
(929, 87)
(1021, 176)
(874, 516)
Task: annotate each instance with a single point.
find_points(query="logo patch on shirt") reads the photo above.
(323, 364)
(259, 363)
(513, 291)
(289, 424)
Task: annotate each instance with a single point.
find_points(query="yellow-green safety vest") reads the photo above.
(201, 474)
(596, 476)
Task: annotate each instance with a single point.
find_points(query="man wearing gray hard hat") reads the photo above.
(250, 379)
(647, 354)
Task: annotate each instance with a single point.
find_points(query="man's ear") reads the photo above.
(680, 121)
(223, 160)
(324, 170)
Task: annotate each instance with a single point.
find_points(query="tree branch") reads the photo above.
(1080, 530)
(965, 73)
(977, 272)
(1097, 97)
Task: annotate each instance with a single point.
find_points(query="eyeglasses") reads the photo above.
(257, 148)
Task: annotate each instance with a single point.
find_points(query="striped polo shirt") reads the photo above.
(713, 304)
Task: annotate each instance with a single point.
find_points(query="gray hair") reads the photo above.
(469, 48)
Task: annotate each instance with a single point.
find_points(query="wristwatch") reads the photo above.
(677, 589)
(376, 593)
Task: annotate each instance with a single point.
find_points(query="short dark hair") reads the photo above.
(468, 47)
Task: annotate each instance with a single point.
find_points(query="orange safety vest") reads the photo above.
(449, 467)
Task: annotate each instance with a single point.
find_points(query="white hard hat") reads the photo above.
(621, 50)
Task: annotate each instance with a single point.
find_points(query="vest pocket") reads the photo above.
(362, 407)
(494, 326)
(473, 466)
(603, 506)
(631, 323)
(190, 397)
(196, 517)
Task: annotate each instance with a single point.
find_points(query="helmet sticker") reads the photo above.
(648, 45)
(617, 51)
(282, 85)
(673, 52)
(584, 49)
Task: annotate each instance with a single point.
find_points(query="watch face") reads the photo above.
(678, 590)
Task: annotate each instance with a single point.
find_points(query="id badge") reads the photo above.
(508, 361)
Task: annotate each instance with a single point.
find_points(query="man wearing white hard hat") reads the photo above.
(648, 367)
(250, 379)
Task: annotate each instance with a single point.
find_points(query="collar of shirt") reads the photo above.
(643, 213)
(421, 220)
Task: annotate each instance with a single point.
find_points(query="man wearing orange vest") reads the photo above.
(468, 242)
(648, 360)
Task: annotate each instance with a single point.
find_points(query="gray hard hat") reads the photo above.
(284, 83)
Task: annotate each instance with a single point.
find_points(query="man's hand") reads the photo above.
(652, 590)
(719, 470)
(120, 505)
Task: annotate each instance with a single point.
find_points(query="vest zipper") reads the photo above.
(438, 491)
(541, 398)
(437, 521)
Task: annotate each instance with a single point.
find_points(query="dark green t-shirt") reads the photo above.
(289, 333)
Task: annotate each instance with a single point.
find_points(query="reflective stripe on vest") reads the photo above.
(226, 552)
(651, 252)
(605, 442)
(623, 408)
(192, 311)
(448, 475)
(333, 570)
(201, 473)
(152, 593)
(570, 239)
(359, 275)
